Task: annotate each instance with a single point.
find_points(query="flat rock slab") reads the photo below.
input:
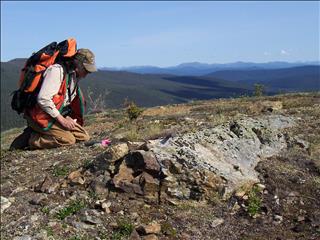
(231, 150)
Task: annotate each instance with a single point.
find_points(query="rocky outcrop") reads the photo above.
(194, 165)
(230, 151)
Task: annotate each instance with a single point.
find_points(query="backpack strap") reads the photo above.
(69, 87)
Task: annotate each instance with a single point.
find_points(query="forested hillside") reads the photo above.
(109, 89)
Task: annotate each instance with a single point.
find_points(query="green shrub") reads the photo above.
(60, 171)
(259, 90)
(254, 201)
(124, 229)
(45, 210)
(168, 229)
(72, 208)
(133, 111)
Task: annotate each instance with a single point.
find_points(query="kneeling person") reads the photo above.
(47, 126)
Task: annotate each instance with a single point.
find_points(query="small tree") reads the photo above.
(132, 109)
(259, 90)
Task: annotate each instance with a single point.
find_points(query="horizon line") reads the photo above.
(195, 62)
(167, 66)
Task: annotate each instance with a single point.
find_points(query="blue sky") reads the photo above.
(165, 33)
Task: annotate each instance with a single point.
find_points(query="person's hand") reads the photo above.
(67, 122)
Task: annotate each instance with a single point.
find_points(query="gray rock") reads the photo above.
(143, 160)
(150, 237)
(216, 222)
(81, 225)
(38, 199)
(24, 237)
(152, 228)
(91, 217)
(277, 219)
(48, 186)
(301, 143)
(99, 188)
(5, 203)
(242, 143)
(134, 235)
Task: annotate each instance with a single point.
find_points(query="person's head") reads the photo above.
(84, 62)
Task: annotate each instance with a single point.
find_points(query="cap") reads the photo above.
(86, 57)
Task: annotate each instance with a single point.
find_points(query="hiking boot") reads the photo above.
(22, 141)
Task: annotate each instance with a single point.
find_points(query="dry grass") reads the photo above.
(168, 110)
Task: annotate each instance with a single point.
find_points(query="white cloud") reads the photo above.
(266, 53)
(284, 52)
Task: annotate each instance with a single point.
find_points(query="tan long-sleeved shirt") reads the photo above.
(52, 81)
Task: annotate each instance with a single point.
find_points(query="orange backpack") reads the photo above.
(31, 75)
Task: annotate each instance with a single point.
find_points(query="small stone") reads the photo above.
(172, 202)
(116, 207)
(298, 228)
(48, 186)
(131, 188)
(99, 188)
(293, 194)
(185, 236)
(118, 151)
(135, 215)
(277, 219)
(144, 160)
(216, 222)
(245, 197)
(150, 237)
(301, 218)
(261, 186)
(81, 225)
(91, 220)
(38, 199)
(24, 237)
(34, 218)
(107, 210)
(301, 143)
(124, 175)
(240, 194)
(134, 235)
(90, 217)
(106, 205)
(52, 224)
(5, 203)
(135, 145)
(150, 228)
(64, 184)
(235, 208)
(73, 175)
(41, 235)
(78, 180)
(17, 190)
(113, 225)
(150, 185)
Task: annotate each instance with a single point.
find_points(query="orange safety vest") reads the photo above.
(45, 121)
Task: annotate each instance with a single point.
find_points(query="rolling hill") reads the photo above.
(199, 69)
(114, 87)
(303, 78)
(147, 90)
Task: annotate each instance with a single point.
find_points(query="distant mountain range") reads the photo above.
(199, 69)
(160, 89)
